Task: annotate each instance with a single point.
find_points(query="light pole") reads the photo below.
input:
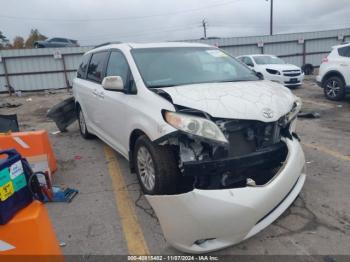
(204, 24)
(271, 17)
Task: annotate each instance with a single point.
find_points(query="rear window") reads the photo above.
(96, 66)
(83, 66)
(344, 51)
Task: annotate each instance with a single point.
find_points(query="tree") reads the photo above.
(4, 42)
(33, 37)
(18, 42)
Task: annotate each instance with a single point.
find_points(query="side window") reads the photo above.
(344, 51)
(53, 40)
(83, 66)
(249, 61)
(61, 40)
(96, 66)
(117, 66)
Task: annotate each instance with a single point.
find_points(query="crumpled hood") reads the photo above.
(282, 67)
(236, 100)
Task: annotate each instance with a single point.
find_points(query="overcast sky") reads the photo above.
(96, 21)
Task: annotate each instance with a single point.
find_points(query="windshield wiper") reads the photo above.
(160, 86)
(236, 80)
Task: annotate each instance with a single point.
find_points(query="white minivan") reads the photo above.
(214, 147)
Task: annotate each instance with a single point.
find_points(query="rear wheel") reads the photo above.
(155, 167)
(82, 125)
(334, 88)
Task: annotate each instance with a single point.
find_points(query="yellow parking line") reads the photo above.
(328, 151)
(132, 231)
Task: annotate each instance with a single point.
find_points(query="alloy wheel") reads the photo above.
(146, 168)
(333, 88)
(82, 122)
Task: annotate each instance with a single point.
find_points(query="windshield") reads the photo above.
(163, 67)
(267, 60)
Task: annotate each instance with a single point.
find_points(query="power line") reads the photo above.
(118, 18)
(279, 24)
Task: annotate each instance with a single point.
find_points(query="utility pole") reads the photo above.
(271, 18)
(204, 24)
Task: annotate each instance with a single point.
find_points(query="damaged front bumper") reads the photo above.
(265, 157)
(206, 220)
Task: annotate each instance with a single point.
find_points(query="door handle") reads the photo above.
(343, 64)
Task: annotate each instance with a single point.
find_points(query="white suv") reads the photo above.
(334, 73)
(213, 146)
(273, 68)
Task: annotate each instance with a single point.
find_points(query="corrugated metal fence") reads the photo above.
(39, 69)
(297, 48)
(54, 68)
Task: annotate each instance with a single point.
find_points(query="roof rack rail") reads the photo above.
(107, 43)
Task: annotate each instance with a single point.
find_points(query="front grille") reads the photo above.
(291, 74)
(247, 136)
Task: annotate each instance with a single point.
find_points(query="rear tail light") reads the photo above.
(325, 60)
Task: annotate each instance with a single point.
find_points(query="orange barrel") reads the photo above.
(34, 146)
(30, 232)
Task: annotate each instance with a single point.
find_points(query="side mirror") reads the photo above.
(251, 65)
(113, 83)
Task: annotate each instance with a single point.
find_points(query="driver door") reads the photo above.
(111, 108)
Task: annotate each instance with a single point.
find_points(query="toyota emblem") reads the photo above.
(267, 113)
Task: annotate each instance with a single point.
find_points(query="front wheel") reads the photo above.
(260, 76)
(334, 88)
(155, 167)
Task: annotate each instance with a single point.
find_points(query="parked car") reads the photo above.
(213, 146)
(56, 42)
(273, 68)
(334, 73)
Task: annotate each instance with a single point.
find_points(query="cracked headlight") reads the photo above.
(195, 125)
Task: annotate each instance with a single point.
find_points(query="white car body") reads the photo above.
(200, 220)
(286, 74)
(337, 63)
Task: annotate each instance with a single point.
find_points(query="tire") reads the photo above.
(82, 125)
(308, 69)
(160, 160)
(334, 88)
(260, 75)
